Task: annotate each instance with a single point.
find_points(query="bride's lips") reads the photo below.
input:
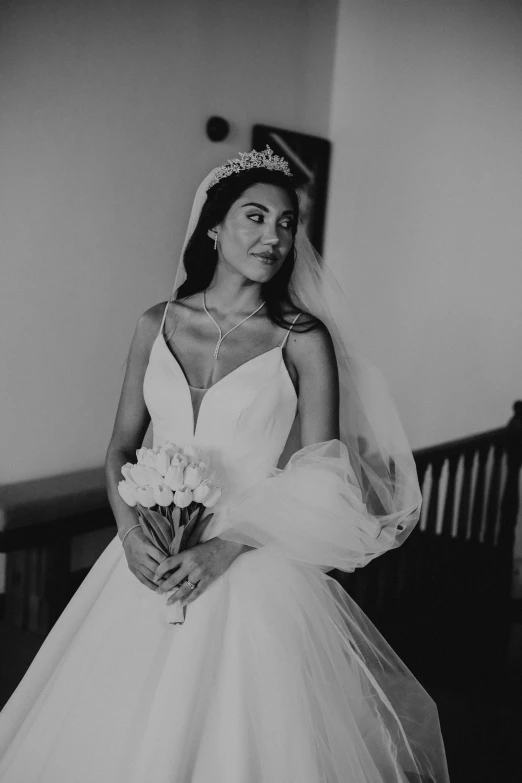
(267, 258)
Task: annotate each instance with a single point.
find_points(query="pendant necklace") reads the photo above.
(221, 335)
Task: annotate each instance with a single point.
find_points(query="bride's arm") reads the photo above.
(313, 356)
(130, 426)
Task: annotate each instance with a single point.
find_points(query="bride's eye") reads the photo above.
(255, 215)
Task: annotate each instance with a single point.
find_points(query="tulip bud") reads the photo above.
(126, 469)
(192, 476)
(145, 496)
(162, 462)
(170, 448)
(191, 452)
(128, 492)
(202, 492)
(145, 476)
(140, 454)
(179, 460)
(213, 497)
(163, 495)
(150, 458)
(183, 497)
(174, 478)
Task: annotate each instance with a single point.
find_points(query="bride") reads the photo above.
(276, 675)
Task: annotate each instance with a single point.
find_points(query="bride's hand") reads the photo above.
(142, 557)
(201, 564)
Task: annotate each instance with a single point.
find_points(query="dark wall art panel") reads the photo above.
(309, 160)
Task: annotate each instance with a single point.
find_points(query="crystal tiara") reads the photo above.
(252, 160)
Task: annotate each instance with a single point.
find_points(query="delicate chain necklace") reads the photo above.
(221, 335)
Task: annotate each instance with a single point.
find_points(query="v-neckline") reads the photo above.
(195, 421)
(248, 361)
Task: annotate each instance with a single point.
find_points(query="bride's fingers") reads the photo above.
(195, 577)
(174, 579)
(147, 572)
(144, 581)
(193, 594)
(155, 554)
(169, 564)
(150, 563)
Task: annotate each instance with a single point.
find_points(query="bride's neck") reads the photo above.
(233, 294)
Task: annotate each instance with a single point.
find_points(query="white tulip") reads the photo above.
(150, 458)
(174, 478)
(213, 497)
(140, 475)
(163, 495)
(145, 496)
(170, 448)
(202, 492)
(127, 491)
(183, 497)
(191, 452)
(145, 476)
(162, 462)
(141, 454)
(179, 460)
(126, 469)
(192, 476)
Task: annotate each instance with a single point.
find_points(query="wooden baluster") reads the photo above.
(422, 469)
(493, 496)
(449, 504)
(433, 504)
(462, 518)
(478, 499)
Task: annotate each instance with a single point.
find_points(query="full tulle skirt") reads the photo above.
(275, 676)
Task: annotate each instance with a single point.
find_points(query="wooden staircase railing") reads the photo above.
(443, 599)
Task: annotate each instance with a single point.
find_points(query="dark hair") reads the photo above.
(200, 258)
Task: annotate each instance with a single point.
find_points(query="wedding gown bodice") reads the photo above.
(243, 420)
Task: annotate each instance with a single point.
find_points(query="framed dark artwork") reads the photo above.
(309, 161)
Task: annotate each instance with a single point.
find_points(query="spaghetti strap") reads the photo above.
(163, 319)
(289, 330)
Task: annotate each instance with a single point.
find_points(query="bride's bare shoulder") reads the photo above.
(151, 319)
(310, 342)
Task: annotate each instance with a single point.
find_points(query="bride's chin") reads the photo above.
(262, 274)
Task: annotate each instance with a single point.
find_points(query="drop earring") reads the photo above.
(215, 241)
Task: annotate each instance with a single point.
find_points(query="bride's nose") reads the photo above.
(270, 236)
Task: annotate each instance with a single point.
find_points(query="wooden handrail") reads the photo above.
(462, 444)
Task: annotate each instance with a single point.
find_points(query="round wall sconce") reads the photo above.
(217, 128)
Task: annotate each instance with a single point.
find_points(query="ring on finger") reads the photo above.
(189, 584)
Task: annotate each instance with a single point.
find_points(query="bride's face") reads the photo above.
(256, 234)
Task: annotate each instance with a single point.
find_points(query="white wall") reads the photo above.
(103, 145)
(426, 203)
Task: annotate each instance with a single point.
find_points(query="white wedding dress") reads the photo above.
(276, 676)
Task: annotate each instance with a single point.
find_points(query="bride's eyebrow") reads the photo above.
(260, 206)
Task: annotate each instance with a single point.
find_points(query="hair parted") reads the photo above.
(200, 257)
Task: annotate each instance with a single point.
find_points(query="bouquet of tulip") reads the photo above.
(171, 489)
